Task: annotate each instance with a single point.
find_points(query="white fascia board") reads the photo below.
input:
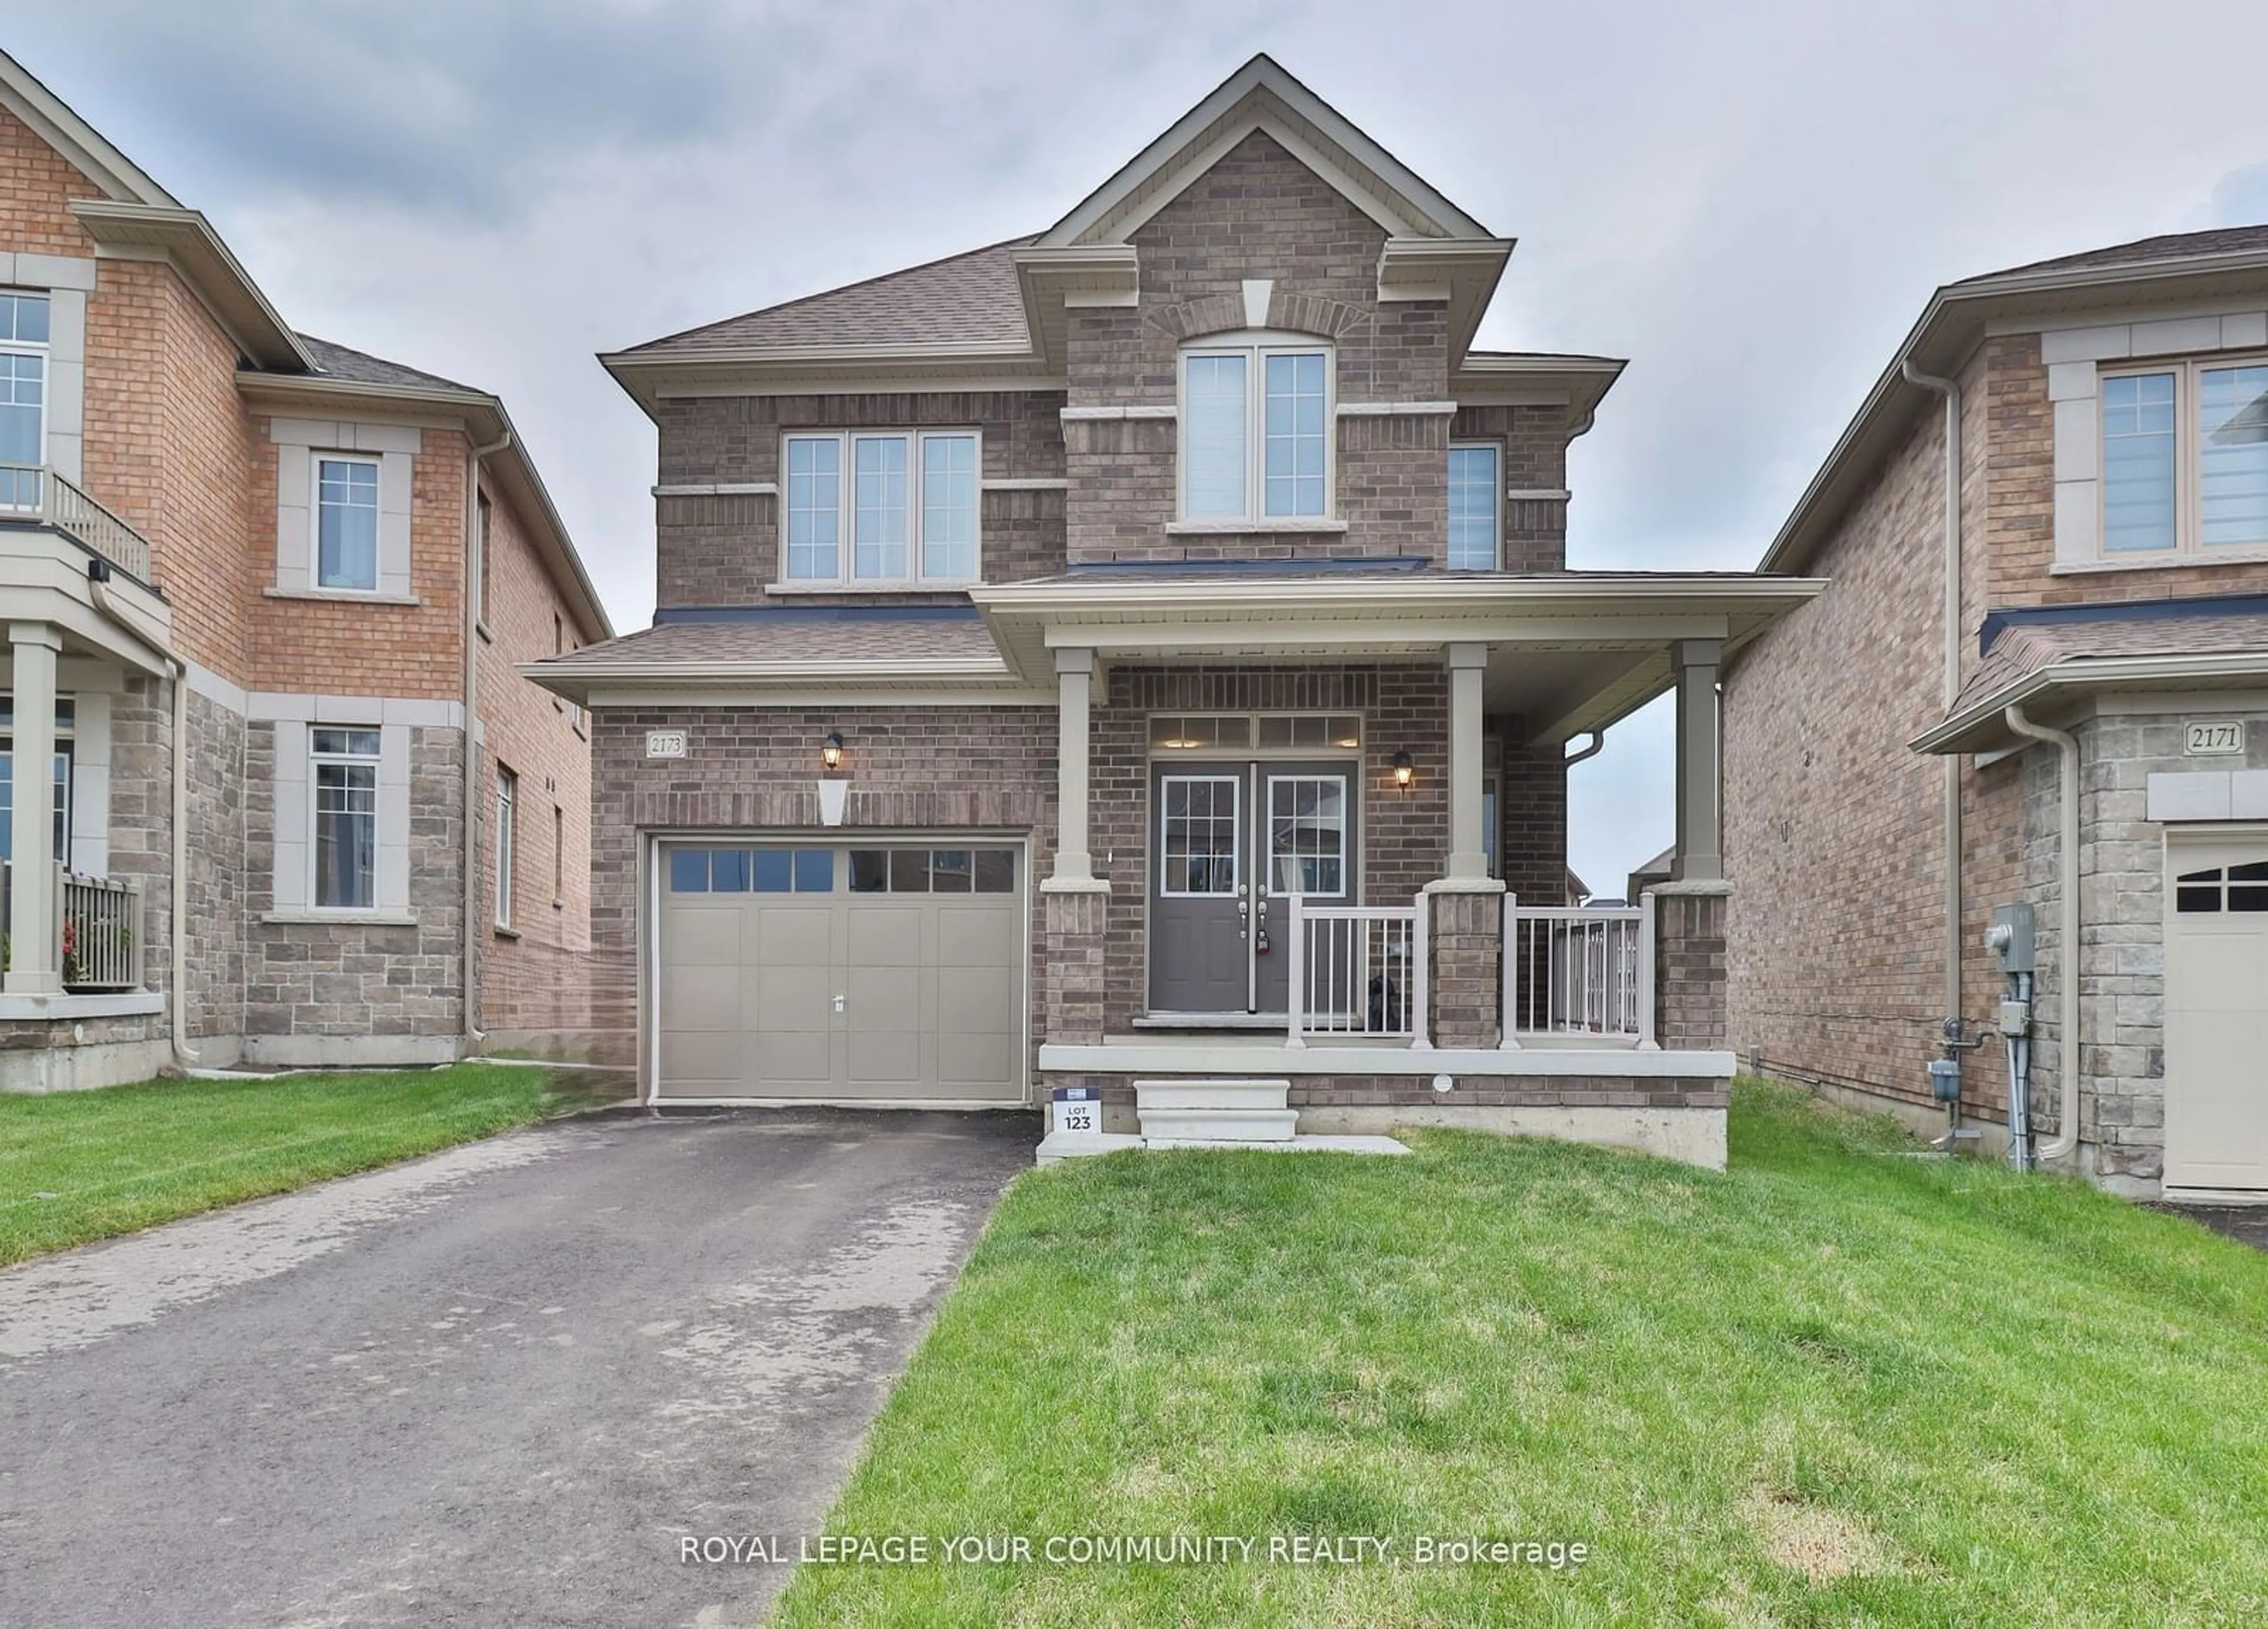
(1261, 81)
(601, 697)
(1462, 599)
(206, 263)
(1363, 630)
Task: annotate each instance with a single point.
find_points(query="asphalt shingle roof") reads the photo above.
(2027, 648)
(756, 643)
(972, 299)
(2142, 251)
(362, 368)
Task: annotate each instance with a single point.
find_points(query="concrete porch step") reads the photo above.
(1232, 1093)
(1227, 1126)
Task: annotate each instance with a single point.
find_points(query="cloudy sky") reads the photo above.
(1750, 202)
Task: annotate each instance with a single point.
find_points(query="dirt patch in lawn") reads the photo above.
(1814, 1540)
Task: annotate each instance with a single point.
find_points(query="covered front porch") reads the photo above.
(1312, 827)
(83, 777)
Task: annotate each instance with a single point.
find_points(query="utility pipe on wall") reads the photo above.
(2067, 888)
(1950, 592)
(473, 1034)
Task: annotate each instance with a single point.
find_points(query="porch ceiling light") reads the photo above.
(830, 753)
(1405, 768)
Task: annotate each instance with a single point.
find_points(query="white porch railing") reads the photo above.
(1579, 970)
(36, 492)
(96, 938)
(1357, 970)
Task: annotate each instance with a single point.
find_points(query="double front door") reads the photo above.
(1230, 844)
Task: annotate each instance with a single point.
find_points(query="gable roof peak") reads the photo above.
(1264, 95)
(87, 150)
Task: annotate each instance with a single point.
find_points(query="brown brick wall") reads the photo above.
(989, 769)
(1259, 213)
(1533, 440)
(722, 551)
(541, 979)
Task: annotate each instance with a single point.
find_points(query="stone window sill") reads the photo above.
(1295, 524)
(362, 919)
(346, 596)
(2173, 562)
(958, 586)
(503, 931)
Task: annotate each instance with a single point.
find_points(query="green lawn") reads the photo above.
(76, 1165)
(1833, 1385)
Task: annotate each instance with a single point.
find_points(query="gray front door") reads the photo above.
(1230, 842)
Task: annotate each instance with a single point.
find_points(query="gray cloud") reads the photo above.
(1750, 202)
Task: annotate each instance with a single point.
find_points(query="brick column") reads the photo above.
(1466, 983)
(1689, 962)
(32, 968)
(1072, 918)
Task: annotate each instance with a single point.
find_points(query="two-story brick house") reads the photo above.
(254, 587)
(1140, 657)
(2038, 679)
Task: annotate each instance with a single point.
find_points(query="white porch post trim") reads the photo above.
(1700, 823)
(1074, 701)
(33, 896)
(1468, 845)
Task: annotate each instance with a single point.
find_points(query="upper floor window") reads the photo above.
(1475, 506)
(1255, 430)
(892, 507)
(23, 397)
(2185, 458)
(346, 522)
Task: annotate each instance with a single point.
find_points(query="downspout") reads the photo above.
(1598, 741)
(1950, 683)
(177, 674)
(2067, 884)
(473, 1034)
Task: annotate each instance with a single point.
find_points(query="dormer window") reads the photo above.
(1256, 429)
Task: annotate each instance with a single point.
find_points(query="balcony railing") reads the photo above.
(1357, 970)
(35, 492)
(96, 932)
(1579, 970)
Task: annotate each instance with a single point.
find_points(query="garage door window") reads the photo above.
(933, 871)
(762, 870)
(2234, 887)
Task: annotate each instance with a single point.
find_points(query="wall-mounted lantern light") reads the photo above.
(831, 754)
(1405, 769)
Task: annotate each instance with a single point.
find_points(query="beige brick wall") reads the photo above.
(36, 183)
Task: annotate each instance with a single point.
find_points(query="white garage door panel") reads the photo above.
(2217, 1013)
(792, 970)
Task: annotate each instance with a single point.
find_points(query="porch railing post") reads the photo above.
(1646, 958)
(1507, 971)
(1295, 971)
(1421, 962)
(135, 915)
(61, 901)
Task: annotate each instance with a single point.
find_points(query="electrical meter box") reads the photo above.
(2010, 936)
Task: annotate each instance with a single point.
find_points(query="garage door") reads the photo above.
(2217, 1013)
(859, 971)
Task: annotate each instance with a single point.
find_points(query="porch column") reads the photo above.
(1468, 843)
(1074, 700)
(32, 968)
(1700, 822)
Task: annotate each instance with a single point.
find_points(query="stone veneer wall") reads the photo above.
(321, 992)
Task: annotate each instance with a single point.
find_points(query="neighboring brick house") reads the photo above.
(1144, 651)
(2108, 619)
(234, 564)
